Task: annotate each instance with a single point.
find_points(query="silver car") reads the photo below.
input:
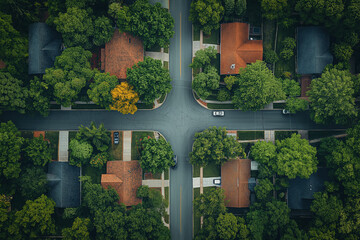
(218, 113)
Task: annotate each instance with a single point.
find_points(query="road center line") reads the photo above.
(180, 209)
(180, 44)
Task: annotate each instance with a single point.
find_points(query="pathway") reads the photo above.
(269, 136)
(63, 146)
(207, 182)
(127, 146)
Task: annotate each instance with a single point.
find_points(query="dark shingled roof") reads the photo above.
(44, 47)
(64, 184)
(313, 50)
(300, 191)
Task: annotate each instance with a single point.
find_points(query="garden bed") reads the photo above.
(281, 135)
(53, 137)
(220, 106)
(135, 143)
(250, 135)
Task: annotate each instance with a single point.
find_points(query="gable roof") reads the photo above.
(313, 50)
(125, 177)
(122, 52)
(235, 175)
(236, 48)
(44, 47)
(300, 191)
(64, 183)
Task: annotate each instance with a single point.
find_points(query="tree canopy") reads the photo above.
(206, 14)
(39, 97)
(80, 152)
(274, 9)
(150, 79)
(37, 151)
(98, 137)
(156, 156)
(331, 97)
(78, 231)
(124, 99)
(205, 82)
(214, 146)
(33, 183)
(257, 87)
(100, 89)
(12, 93)
(203, 57)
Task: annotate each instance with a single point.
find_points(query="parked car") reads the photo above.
(175, 162)
(285, 111)
(116, 137)
(217, 182)
(218, 113)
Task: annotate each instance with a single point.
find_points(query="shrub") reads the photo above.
(223, 95)
(289, 43)
(286, 54)
(342, 52)
(99, 159)
(270, 56)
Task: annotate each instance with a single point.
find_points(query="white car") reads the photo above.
(285, 111)
(218, 113)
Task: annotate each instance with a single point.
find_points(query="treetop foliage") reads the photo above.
(206, 14)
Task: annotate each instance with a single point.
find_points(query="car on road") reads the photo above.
(217, 182)
(116, 137)
(218, 113)
(286, 112)
(175, 162)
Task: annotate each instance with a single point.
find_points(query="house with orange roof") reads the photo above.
(122, 52)
(125, 177)
(237, 48)
(235, 176)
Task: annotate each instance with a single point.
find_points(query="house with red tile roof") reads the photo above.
(122, 52)
(125, 177)
(235, 176)
(237, 49)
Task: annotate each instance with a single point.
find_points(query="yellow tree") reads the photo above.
(124, 98)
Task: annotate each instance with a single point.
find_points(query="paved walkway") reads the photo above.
(269, 136)
(207, 182)
(197, 45)
(64, 146)
(127, 146)
(156, 183)
(158, 55)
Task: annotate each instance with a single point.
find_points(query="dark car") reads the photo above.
(116, 137)
(175, 162)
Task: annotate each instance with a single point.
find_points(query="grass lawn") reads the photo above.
(53, 137)
(135, 142)
(166, 217)
(212, 97)
(196, 218)
(94, 173)
(144, 106)
(216, 62)
(280, 135)
(269, 30)
(86, 106)
(27, 134)
(72, 135)
(154, 49)
(284, 66)
(212, 170)
(166, 65)
(250, 135)
(196, 34)
(196, 171)
(324, 134)
(279, 105)
(213, 38)
(220, 106)
(166, 50)
(116, 150)
(166, 174)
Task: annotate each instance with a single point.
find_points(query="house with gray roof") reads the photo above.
(64, 184)
(301, 191)
(313, 50)
(44, 46)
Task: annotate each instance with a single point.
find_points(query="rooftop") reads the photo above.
(235, 175)
(236, 49)
(121, 53)
(125, 177)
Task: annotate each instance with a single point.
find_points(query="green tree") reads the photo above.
(229, 6)
(203, 58)
(150, 79)
(206, 14)
(5, 207)
(342, 52)
(37, 150)
(295, 157)
(152, 199)
(10, 148)
(12, 93)
(98, 137)
(205, 82)
(240, 7)
(80, 152)
(244, 232)
(110, 223)
(69, 75)
(99, 160)
(296, 104)
(34, 219)
(76, 27)
(291, 87)
(226, 226)
(156, 156)
(79, 230)
(223, 95)
(214, 146)
(152, 23)
(33, 183)
(121, 15)
(257, 87)
(230, 81)
(264, 189)
(210, 204)
(274, 9)
(100, 89)
(38, 97)
(103, 31)
(331, 97)
(270, 56)
(327, 209)
(80, 3)
(288, 46)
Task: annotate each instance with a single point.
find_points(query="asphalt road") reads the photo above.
(177, 119)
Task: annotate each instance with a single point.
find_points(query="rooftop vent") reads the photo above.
(232, 66)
